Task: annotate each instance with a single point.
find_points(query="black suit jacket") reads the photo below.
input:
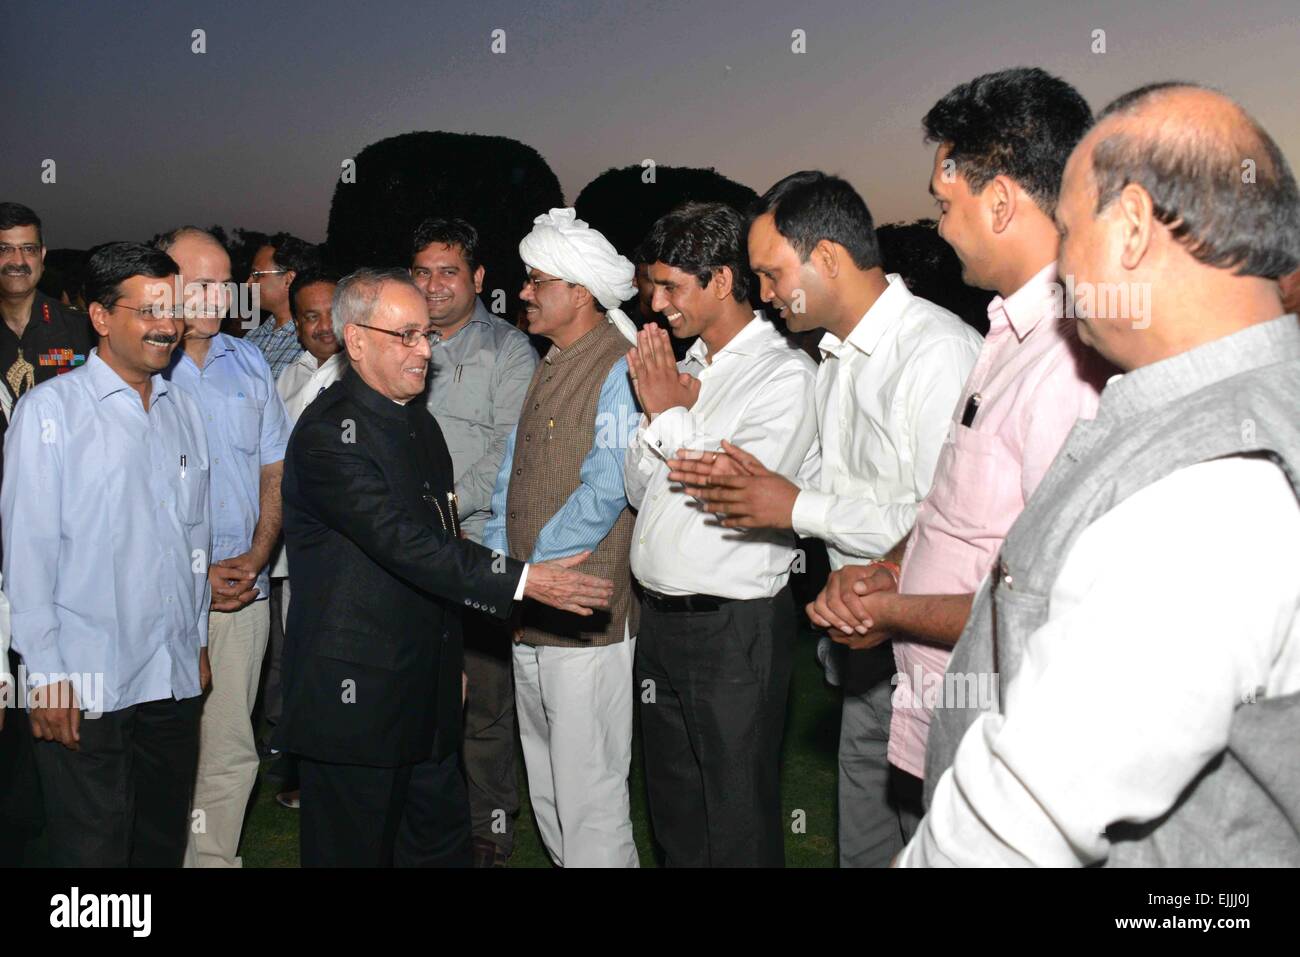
(373, 653)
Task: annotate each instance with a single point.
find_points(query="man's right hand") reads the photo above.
(839, 606)
(233, 587)
(556, 584)
(51, 722)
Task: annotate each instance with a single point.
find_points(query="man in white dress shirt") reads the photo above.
(323, 360)
(718, 621)
(892, 370)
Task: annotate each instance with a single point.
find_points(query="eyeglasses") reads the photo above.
(530, 281)
(259, 273)
(27, 249)
(410, 337)
(152, 312)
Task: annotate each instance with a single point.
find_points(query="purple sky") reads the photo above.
(147, 134)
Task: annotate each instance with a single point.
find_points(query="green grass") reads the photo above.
(807, 784)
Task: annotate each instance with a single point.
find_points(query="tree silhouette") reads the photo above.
(931, 269)
(622, 205)
(497, 184)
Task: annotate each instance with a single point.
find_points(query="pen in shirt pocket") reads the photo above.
(182, 466)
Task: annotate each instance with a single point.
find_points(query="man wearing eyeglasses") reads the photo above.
(560, 491)
(247, 431)
(274, 267)
(40, 337)
(106, 574)
(372, 667)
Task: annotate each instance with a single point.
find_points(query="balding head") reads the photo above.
(1178, 199)
(204, 277)
(1217, 180)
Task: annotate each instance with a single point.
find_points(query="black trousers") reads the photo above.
(490, 731)
(123, 798)
(22, 814)
(712, 719)
(416, 815)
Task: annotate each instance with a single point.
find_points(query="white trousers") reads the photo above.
(574, 707)
(227, 750)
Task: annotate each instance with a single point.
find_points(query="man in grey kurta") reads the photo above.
(1141, 619)
(480, 371)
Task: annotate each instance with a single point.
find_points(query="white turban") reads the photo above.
(566, 247)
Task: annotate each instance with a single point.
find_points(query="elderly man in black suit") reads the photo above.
(372, 660)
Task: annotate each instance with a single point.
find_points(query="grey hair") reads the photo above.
(1194, 175)
(358, 291)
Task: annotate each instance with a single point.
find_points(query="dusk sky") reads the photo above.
(146, 134)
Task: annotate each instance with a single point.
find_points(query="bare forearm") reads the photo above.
(896, 553)
(937, 618)
(270, 510)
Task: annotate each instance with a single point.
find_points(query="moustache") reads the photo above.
(17, 271)
(161, 340)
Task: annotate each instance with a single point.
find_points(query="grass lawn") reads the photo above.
(807, 785)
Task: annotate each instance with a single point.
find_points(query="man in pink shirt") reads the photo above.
(1003, 140)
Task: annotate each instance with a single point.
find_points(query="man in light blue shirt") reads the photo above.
(247, 432)
(104, 510)
(480, 369)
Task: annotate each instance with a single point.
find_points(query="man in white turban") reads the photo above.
(566, 247)
(560, 492)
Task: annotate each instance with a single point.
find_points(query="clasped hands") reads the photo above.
(854, 605)
(234, 581)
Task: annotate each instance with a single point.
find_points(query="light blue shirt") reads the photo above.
(588, 514)
(247, 428)
(106, 537)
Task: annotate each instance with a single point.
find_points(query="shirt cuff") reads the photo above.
(523, 582)
(663, 434)
(810, 514)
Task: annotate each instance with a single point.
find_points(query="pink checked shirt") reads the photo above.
(1034, 379)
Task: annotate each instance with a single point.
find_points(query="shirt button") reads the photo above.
(512, 514)
(412, 435)
(528, 437)
(519, 471)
